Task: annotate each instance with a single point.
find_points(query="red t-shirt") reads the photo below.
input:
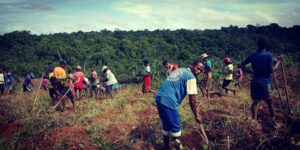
(79, 78)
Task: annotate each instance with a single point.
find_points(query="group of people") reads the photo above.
(6, 81)
(182, 82)
(179, 82)
(71, 85)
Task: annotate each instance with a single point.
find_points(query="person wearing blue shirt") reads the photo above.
(262, 69)
(179, 83)
(27, 82)
(9, 82)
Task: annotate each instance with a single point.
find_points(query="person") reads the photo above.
(206, 82)
(9, 82)
(170, 95)
(229, 76)
(2, 81)
(239, 77)
(45, 82)
(93, 81)
(62, 86)
(169, 67)
(79, 77)
(111, 83)
(262, 68)
(146, 77)
(53, 94)
(27, 84)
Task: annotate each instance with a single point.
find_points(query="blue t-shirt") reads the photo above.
(262, 66)
(27, 80)
(173, 89)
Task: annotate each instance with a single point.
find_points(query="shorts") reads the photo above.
(170, 119)
(226, 83)
(111, 88)
(205, 83)
(9, 87)
(94, 87)
(260, 91)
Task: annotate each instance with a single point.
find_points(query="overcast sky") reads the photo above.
(52, 16)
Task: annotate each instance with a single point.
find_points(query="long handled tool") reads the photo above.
(38, 92)
(277, 87)
(285, 87)
(204, 134)
(61, 99)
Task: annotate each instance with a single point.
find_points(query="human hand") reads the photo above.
(199, 119)
(280, 58)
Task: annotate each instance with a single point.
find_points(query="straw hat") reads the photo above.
(104, 67)
(204, 55)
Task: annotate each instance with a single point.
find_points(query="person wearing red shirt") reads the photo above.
(79, 79)
(169, 67)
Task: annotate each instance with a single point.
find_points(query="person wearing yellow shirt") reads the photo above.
(229, 76)
(62, 86)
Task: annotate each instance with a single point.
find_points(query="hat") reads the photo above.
(227, 60)
(9, 73)
(103, 68)
(78, 67)
(204, 55)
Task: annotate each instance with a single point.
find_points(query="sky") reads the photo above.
(54, 16)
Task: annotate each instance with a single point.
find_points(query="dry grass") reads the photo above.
(128, 121)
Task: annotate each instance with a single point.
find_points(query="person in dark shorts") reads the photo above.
(229, 76)
(262, 69)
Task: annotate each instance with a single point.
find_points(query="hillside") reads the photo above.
(124, 51)
(130, 121)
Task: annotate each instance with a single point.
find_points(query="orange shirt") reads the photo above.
(60, 73)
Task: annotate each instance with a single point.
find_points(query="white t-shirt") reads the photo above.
(111, 78)
(1, 78)
(229, 68)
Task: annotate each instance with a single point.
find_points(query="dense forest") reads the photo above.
(124, 51)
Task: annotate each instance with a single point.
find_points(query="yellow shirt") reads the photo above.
(228, 69)
(49, 83)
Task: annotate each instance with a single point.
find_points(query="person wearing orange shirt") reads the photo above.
(62, 87)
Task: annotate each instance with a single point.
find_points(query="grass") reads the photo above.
(127, 121)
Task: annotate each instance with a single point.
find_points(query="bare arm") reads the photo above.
(279, 60)
(192, 100)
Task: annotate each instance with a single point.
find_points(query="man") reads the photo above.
(111, 84)
(206, 82)
(51, 89)
(62, 86)
(170, 95)
(27, 82)
(229, 76)
(262, 69)
(146, 77)
(79, 77)
(2, 81)
(9, 82)
(169, 67)
(93, 81)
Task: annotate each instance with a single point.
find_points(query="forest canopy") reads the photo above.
(124, 51)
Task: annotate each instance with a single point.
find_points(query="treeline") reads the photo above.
(124, 51)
